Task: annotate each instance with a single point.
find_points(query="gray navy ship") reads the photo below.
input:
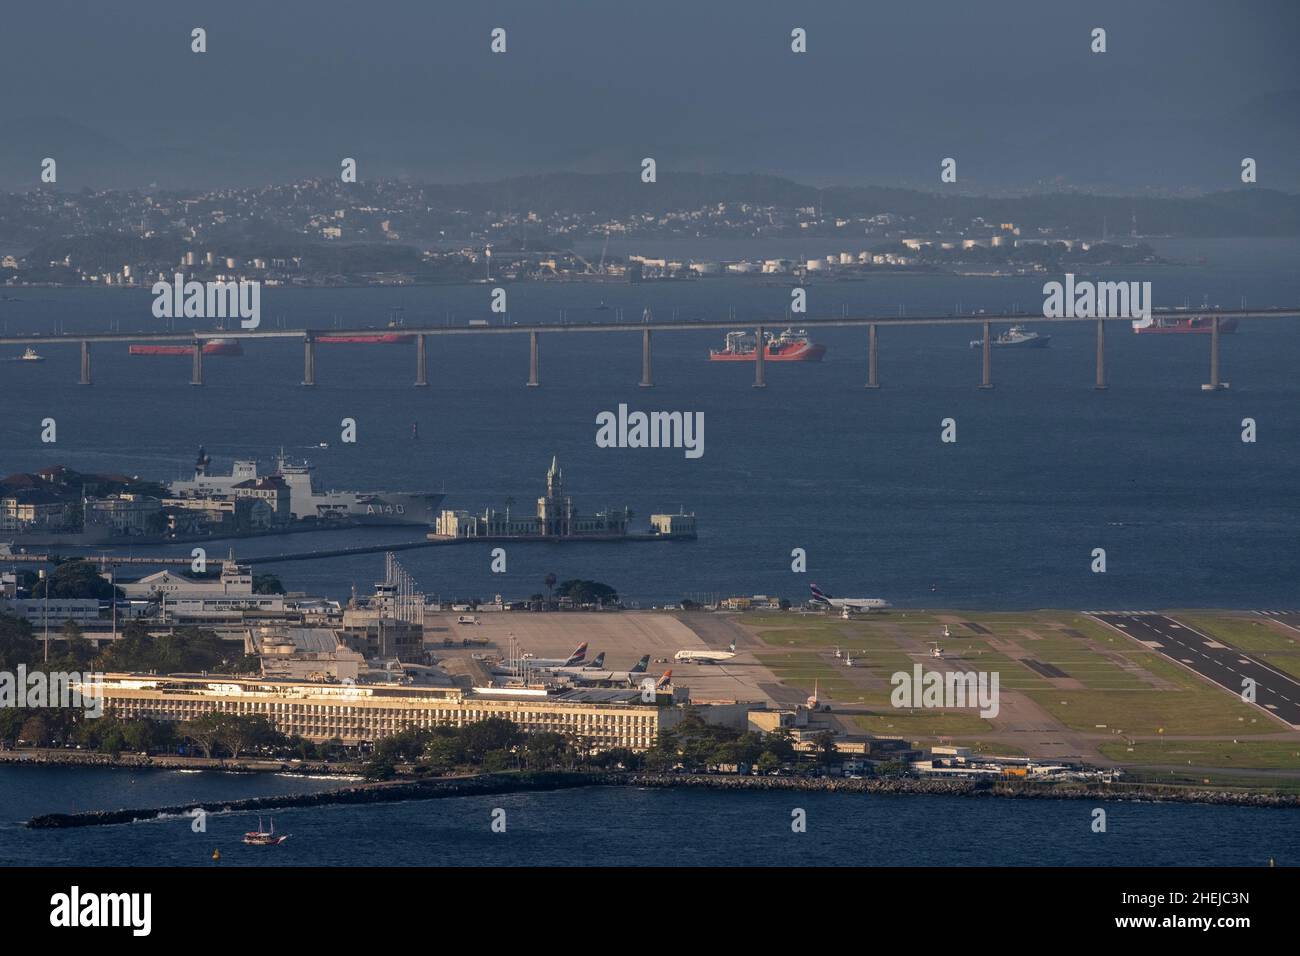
(353, 507)
(1016, 337)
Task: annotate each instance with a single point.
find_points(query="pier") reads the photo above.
(646, 327)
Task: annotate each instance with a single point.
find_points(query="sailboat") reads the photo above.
(260, 837)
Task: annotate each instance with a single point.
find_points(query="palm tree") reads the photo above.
(550, 585)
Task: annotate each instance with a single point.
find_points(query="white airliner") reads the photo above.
(590, 675)
(849, 604)
(706, 656)
(575, 659)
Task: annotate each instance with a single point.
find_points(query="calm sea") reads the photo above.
(1044, 469)
(616, 826)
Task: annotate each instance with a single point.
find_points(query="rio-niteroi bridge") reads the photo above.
(646, 328)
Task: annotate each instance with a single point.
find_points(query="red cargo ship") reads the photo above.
(369, 338)
(792, 345)
(1176, 324)
(383, 338)
(210, 347)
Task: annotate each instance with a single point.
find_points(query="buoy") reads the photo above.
(216, 854)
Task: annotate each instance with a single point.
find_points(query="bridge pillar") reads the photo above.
(308, 360)
(85, 363)
(873, 379)
(646, 380)
(1101, 355)
(532, 359)
(986, 349)
(196, 370)
(1214, 384)
(760, 359)
(421, 369)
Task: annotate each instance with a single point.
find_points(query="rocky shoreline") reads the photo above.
(88, 758)
(487, 784)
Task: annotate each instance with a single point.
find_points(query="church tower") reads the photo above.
(554, 481)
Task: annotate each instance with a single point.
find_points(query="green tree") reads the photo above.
(17, 645)
(825, 744)
(240, 732)
(267, 584)
(444, 752)
(546, 751)
(205, 730)
(587, 592)
(768, 762)
(484, 736)
(76, 578)
(496, 761)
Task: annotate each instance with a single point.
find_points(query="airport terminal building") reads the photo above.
(362, 713)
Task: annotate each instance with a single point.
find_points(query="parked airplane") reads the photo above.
(542, 663)
(706, 656)
(587, 675)
(847, 604)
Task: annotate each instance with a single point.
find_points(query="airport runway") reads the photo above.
(1275, 692)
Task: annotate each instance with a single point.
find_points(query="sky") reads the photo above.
(1010, 89)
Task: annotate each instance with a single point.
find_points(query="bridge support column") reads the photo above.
(646, 377)
(1214, 384)
(646, 380)
(760, 359)
(308, 360)
(85, 363)
(873, 379)
(421, 369)
(196, 370)
(987, 349)
(1101, 355)
(532, 360)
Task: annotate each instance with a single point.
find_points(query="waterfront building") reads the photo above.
(55, 611)
(37, 509)
(363, 713)
(314, 654)
(678, 525)
(235, 580)
(273, 490)
(126, 514)
(555, 517)
(196, 515)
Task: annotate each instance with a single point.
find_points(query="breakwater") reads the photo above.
(480, 785)
(487, 784)
(134, 761)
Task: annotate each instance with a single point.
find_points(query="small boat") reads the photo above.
(29, 355)
(260, 837)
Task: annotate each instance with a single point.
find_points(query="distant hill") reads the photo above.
(1249, 211)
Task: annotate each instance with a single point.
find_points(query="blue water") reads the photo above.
(607, 826)
(1044, 469)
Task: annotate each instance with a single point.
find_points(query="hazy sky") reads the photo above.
(886, 90)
